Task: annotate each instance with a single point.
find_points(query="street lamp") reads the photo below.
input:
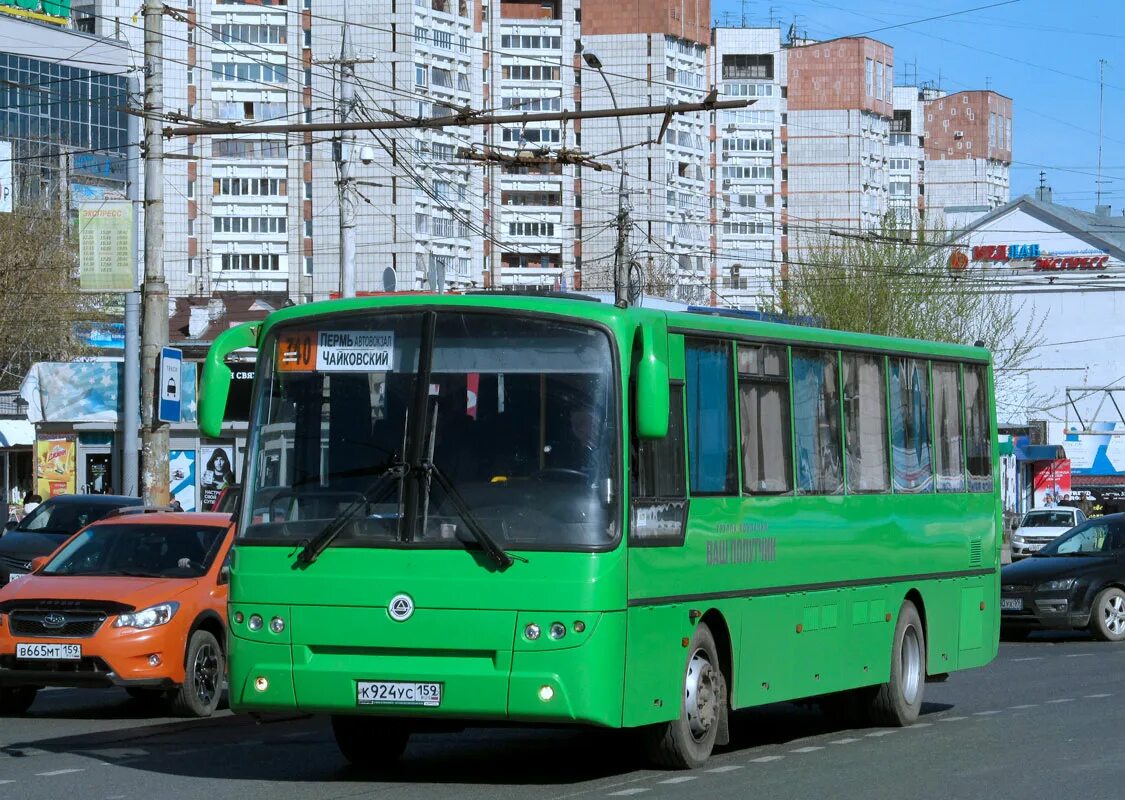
(620, 250)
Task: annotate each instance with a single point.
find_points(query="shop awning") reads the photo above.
(1040, 452)
(16, 433)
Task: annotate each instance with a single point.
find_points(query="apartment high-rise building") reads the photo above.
(751, 158)
(654, 54)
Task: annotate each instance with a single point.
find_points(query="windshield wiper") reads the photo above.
(484, 538)
(312, 549)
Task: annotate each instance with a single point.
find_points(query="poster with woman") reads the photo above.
(218, 473)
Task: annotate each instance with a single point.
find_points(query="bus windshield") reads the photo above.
(392, 428)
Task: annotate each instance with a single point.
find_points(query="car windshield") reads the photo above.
(137, 549)
(1048, 519)
(518, 414)
(63, 517)
(1093, 537)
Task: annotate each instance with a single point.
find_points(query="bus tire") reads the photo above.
(898, 702)
(1107, 621)
(686, 742)
(370, 743)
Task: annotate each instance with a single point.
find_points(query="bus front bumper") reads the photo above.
(487, 665)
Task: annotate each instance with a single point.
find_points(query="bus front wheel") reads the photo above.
(686, 742)
(370, 743)
(898, 702)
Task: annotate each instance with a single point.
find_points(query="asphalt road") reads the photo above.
(1044, 720)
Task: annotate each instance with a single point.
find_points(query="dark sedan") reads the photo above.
(51, 524)
(1077, 581)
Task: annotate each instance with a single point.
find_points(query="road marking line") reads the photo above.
(1094, 696)
(627, 792)
(681, 779)
(765, 759)
(806, 749)
(1029, 658)
(727, 768)
(1062, 700)
(951, 719)
(880, 733)
(985, 713)
(1026, 705)
(7, 782)
(57, 772)
(922, 725)
(844, 741)
(1077, 655)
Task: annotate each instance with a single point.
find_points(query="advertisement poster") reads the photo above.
(218, 473)
(1052, 483)
(181, 478)
(55, 465)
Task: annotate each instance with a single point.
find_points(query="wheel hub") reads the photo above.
(701, 700)
(1115, 615)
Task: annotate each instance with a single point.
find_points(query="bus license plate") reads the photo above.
(398, 693)
(48, 652)
(1011, 604)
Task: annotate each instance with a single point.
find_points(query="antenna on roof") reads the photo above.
(1101, 105)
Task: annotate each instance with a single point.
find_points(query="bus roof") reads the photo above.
(695, 320)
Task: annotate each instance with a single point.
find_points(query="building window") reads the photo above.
(308, 265)
(748, 66)
(870, 72)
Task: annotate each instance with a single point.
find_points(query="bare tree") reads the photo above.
(39, 297)
(898, 282)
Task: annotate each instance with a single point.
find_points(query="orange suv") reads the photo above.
(136, 600)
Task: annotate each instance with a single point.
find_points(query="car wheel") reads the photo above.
(203, 677)
(687, 741)
(17, 700)
(898, 702)
(1107, 621)
(370, 743)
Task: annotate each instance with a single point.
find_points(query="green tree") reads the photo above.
(39, 297)
(898, 282)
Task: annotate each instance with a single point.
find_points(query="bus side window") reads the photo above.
(660, 482)
(763, 401)
(910, 425)
(978, 441)
(949, 456)
(710, 418)
(816, 421)
(865, 423)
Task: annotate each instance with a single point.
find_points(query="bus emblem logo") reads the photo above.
(401, 607)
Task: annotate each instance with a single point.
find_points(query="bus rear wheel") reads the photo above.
(370, 743)
(687, 742)
(898, 702)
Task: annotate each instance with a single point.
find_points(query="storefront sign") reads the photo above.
(1072, 262)
(55, 466)
(1005, 252)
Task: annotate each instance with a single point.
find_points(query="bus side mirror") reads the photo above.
(651, 402)
(215, 387)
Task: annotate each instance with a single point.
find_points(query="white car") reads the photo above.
(1041, 526)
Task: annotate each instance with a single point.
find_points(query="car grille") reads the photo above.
(88, 665)
(56, 624)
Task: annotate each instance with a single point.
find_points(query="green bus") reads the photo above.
(534, 509)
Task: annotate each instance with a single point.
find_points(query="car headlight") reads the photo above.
(1017, 539)
(1058, 586)
(149, 617)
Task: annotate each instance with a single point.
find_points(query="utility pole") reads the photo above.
(344, 154)
(1101, 117)
(154, 331)
(130, 403)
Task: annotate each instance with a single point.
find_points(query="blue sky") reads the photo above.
(1041, 53)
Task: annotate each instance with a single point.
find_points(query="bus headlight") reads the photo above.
(531, 632)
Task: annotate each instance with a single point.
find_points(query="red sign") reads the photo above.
(1071, 262)
(1051, 481)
